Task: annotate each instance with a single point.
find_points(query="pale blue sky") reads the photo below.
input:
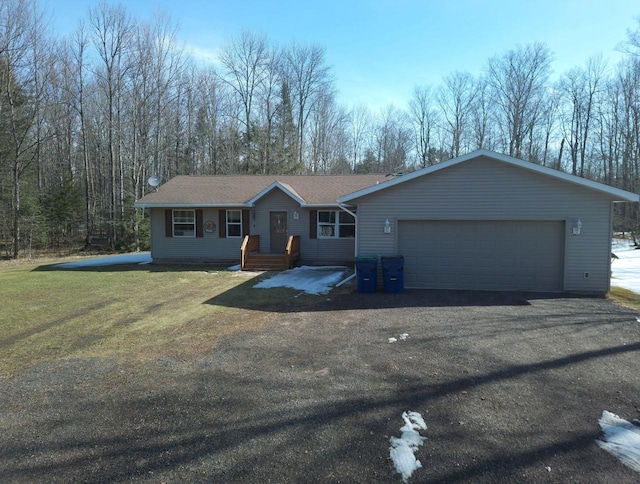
(380, 49)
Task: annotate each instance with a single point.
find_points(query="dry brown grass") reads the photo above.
(624, 297)
(133, 312)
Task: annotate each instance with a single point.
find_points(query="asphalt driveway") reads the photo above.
(511, 387)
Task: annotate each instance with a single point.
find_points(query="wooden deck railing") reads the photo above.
(251, 243)
(293, 249)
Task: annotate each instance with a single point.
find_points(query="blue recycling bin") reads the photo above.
(367, 274)
(393, 274)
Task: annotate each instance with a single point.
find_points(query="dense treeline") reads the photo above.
(84, 121)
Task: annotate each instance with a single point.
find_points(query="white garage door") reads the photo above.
(483, 255)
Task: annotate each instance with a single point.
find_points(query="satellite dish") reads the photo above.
(154, 181)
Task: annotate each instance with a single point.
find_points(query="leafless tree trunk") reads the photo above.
(456, 98)
(518, 80)
(246, 60)
(424, 118)
(359, 130)
(21, 99)
(112, 31)
(309, 79)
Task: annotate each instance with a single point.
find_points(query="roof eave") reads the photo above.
(190, 205)
(618, 194)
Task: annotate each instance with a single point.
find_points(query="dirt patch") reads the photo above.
(511, 387)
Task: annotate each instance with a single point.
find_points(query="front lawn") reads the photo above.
(131, 311)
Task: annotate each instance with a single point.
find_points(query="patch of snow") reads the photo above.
(625, 270)
(403, 337)
(234, 268)
(310, 279)
(137, 258)
(402, 450)
(621, 438)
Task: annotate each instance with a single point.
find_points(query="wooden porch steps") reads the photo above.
(266, 262)
(251, 259)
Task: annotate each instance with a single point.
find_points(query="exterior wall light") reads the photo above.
(577, 227)
(296, 215)
(387, 227)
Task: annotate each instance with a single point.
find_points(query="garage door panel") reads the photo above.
(491, 255)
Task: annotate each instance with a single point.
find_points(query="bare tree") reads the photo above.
(112, 31)
(21, 96)
(456, 97)
(309, 79)
(483, 116)
(518, 80)
(246, 60)
(359, 127)
(423, 117)
(328, 136)
(392, 141)
(580, 88)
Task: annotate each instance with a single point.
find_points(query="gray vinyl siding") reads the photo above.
(209, 248)
(485, 189)
(215, 249)
(274, 201)
(312, 251)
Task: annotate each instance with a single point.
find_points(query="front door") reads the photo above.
(279, 232)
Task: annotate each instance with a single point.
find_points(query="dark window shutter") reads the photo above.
(168, 222)
(199, 223)
(222, 224)
(313, 224)
(246, 223)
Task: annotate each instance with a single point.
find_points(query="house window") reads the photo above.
(184, 223)
(336, 224)
(234, 223)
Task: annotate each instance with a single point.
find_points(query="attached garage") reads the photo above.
(487, 255)
(487, 221)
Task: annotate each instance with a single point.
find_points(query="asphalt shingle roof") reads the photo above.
(229, 190)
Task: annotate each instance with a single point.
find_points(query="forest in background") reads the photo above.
(86, 120)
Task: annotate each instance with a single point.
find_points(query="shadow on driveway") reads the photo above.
(510, 393)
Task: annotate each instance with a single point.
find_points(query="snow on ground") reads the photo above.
(621, 438)
(625, 270)
(402, 450)
(137, 258)
(312, 280)
(403, 337)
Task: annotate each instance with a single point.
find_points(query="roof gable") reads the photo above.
(615, 193)
(287, 189)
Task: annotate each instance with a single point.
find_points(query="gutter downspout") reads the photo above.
(355, 217)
